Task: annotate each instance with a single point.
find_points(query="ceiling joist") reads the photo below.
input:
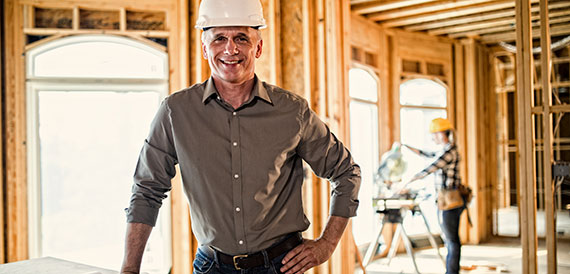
(480, 19)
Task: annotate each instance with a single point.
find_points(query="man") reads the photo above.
(239, 143)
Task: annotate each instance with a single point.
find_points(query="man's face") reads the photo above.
(231, 52)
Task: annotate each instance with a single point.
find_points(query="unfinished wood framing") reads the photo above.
(368, 38)
(308, 47)
(17, 13)
(384, 5)
(2, 181)
(403, 48)
(471, 132)
(461, 119)
(524, 68)
(424, 8)
(268, 66)
(478, 8)
(549, 185)
(15, 134)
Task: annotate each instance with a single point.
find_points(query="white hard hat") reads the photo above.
(225, 13)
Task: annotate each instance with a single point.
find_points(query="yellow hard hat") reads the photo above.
(439, 125)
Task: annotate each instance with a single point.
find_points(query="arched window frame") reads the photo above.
(375, 149)
(35, 82)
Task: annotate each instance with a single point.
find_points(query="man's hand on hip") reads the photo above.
(307, 255)
(315, 252)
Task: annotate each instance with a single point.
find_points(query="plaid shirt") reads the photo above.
(446, 165)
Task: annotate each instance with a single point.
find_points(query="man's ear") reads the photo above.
(204, 51)
(258, 49)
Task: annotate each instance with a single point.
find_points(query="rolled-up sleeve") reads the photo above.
(331, 160)
(155, 168)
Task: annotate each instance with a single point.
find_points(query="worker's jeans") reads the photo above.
(204, 264)
(450, 227)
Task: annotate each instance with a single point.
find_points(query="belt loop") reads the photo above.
(266, 258)
(216, 259)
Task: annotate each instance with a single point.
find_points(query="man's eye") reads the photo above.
(220, 38)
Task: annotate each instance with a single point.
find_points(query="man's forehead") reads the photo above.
(233, 29)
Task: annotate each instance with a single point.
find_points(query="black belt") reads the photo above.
(256, 259)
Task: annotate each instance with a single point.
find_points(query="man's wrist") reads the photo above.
(330, 242)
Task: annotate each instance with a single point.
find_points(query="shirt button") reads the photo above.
(235, 144)
(238, 209)
(240, 242)
(234, 113)
(236, 176)
(219, 98)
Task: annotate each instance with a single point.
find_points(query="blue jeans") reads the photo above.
(450, 227)
(204, 264)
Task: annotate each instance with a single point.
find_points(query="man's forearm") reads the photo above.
(135, 242)
(334, 228)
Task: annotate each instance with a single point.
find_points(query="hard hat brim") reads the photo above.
(229, 22)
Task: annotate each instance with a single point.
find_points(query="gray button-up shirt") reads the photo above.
(241, 168)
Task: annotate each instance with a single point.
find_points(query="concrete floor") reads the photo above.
(500, 255)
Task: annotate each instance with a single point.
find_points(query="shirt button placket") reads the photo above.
(237, 185)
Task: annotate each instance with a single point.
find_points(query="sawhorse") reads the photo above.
(394, 213)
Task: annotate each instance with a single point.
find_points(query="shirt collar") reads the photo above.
(258, 91)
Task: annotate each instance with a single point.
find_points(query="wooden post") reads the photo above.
(347, 247)
(123, 19)
(524, 87)
(472, 144)
(15, 136)
(178, 47)
(2, 182)
(545, 69)
(460, 122)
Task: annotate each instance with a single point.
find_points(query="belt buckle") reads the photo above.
(236, 263)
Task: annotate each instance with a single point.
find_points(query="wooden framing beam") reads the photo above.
(457, 12)
(183, 243)
(472, 143)
(199, 68)
(2, 181)
(461, 120)
(527, 183)
(423, 9)
(504, 28)
(344, 261)
(15, 137)
(64, 32)
(462, 20)
(549, 184)
(509, 12)
(511, 36)
(103, 4)
(377, 6)
(293, 76)
(509, 22)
